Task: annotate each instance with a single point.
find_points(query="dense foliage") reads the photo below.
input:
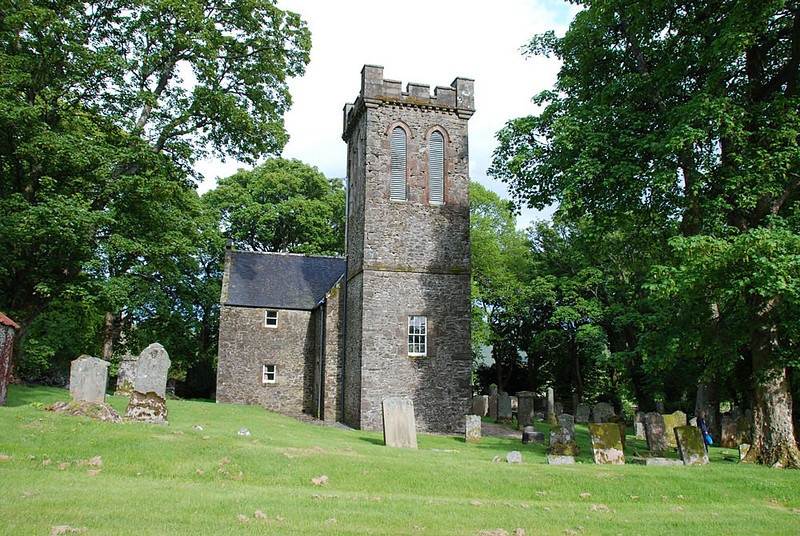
(685, 116)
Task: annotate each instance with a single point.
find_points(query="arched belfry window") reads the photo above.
(436, 168)
(398, 191)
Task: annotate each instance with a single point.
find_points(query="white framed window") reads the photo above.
(436, 168)
(399, 170)
(271, 318)
(418, 335)
(268, 374)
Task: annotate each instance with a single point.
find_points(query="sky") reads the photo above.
(424, 41)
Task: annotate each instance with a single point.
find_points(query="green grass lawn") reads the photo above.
(139, 479)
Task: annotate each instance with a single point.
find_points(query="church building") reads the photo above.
(334, 337)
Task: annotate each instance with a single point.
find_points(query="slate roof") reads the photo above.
(281, 280)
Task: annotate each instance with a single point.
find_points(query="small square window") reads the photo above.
(268, 374)
(271, 319)
(418, 335)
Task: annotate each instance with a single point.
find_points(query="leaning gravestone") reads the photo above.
(148, 399)
(504, 412)
(606, 444)
(126, 375)
(88, 377)
(582, 413)
(399, 425)
(601, 412)
(638, 425)
(691, 445)
(655, 432)
(525, 408)
(472, 431)
(672, 421)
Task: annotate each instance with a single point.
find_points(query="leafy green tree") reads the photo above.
(104, 107)
(688, 111)
(281, 205)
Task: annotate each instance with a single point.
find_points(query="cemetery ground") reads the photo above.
(63, 474)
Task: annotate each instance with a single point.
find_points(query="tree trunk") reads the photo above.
(773, 443)
(109, 332)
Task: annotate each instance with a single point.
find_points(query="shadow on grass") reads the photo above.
(23, 395)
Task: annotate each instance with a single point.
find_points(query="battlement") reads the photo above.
(458, 97)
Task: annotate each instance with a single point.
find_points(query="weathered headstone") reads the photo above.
(126, 374)
(672, 421)
(399, 424)
(557, 459)
(638, 425)
(551, 406)
(472, 431)
(514, 456)
(606, 444)
(560, 435)
(7, 329)
(492, 411)
(744, 429)
(567, 421)
(88, 378)
(148, 399)
(582, 413)
(525, 408)
(601, 412)
(530, 435)
(728, 439)
(480, 405)
(655, 432)
(691, 446)
(151, 371)
(559, 408)
(504, 413)
(619, 420)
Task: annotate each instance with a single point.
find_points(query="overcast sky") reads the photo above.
(426, 41)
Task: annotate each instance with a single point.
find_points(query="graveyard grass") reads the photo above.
(291, 477)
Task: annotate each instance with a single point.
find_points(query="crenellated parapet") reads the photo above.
(458, 97)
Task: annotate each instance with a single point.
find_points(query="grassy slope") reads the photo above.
(179, 480)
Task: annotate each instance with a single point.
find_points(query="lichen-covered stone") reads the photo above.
(691, 446)
(472, 433)
(606, 444)
(655, 432)
(147, 407)
(672, 421)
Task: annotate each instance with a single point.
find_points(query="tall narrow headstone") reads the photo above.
(655, 432)
(7, 328)
(525, 408)
(551, 406)
(399, 424)
(691, 445)
(493, 398)
(88, 378)
(472, 431)
(638, 425)
(606, 443)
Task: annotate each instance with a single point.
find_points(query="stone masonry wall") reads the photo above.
(246, 345)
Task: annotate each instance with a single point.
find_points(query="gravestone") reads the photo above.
(638, 425)
(551, 406)
(88, 378)
(655, 432)
(582, 413)
(480, 405)
(530, 435)
(691, 445)
(525, 408)
(492, 410)
(560, 435)
(619, 420)
(744, 429)
(556, 459)
(472, 431)
(606, 443)
(559, 408)
(7, 329)
(728, 439)
(504, 413)
(672, 421)
(151, 371)
(562, 443)
(601, 412)
(126, 374)
(744, 448)
(567, 421)
(148, 399)
(399, 425)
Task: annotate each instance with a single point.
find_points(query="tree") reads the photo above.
(690, 112)
(281, 205)
(105, 106)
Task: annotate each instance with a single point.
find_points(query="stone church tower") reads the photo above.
(407, 306)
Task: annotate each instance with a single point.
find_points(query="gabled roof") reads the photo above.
(5, 321)
(281, 280)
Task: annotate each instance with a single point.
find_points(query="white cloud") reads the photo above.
(426, 41)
